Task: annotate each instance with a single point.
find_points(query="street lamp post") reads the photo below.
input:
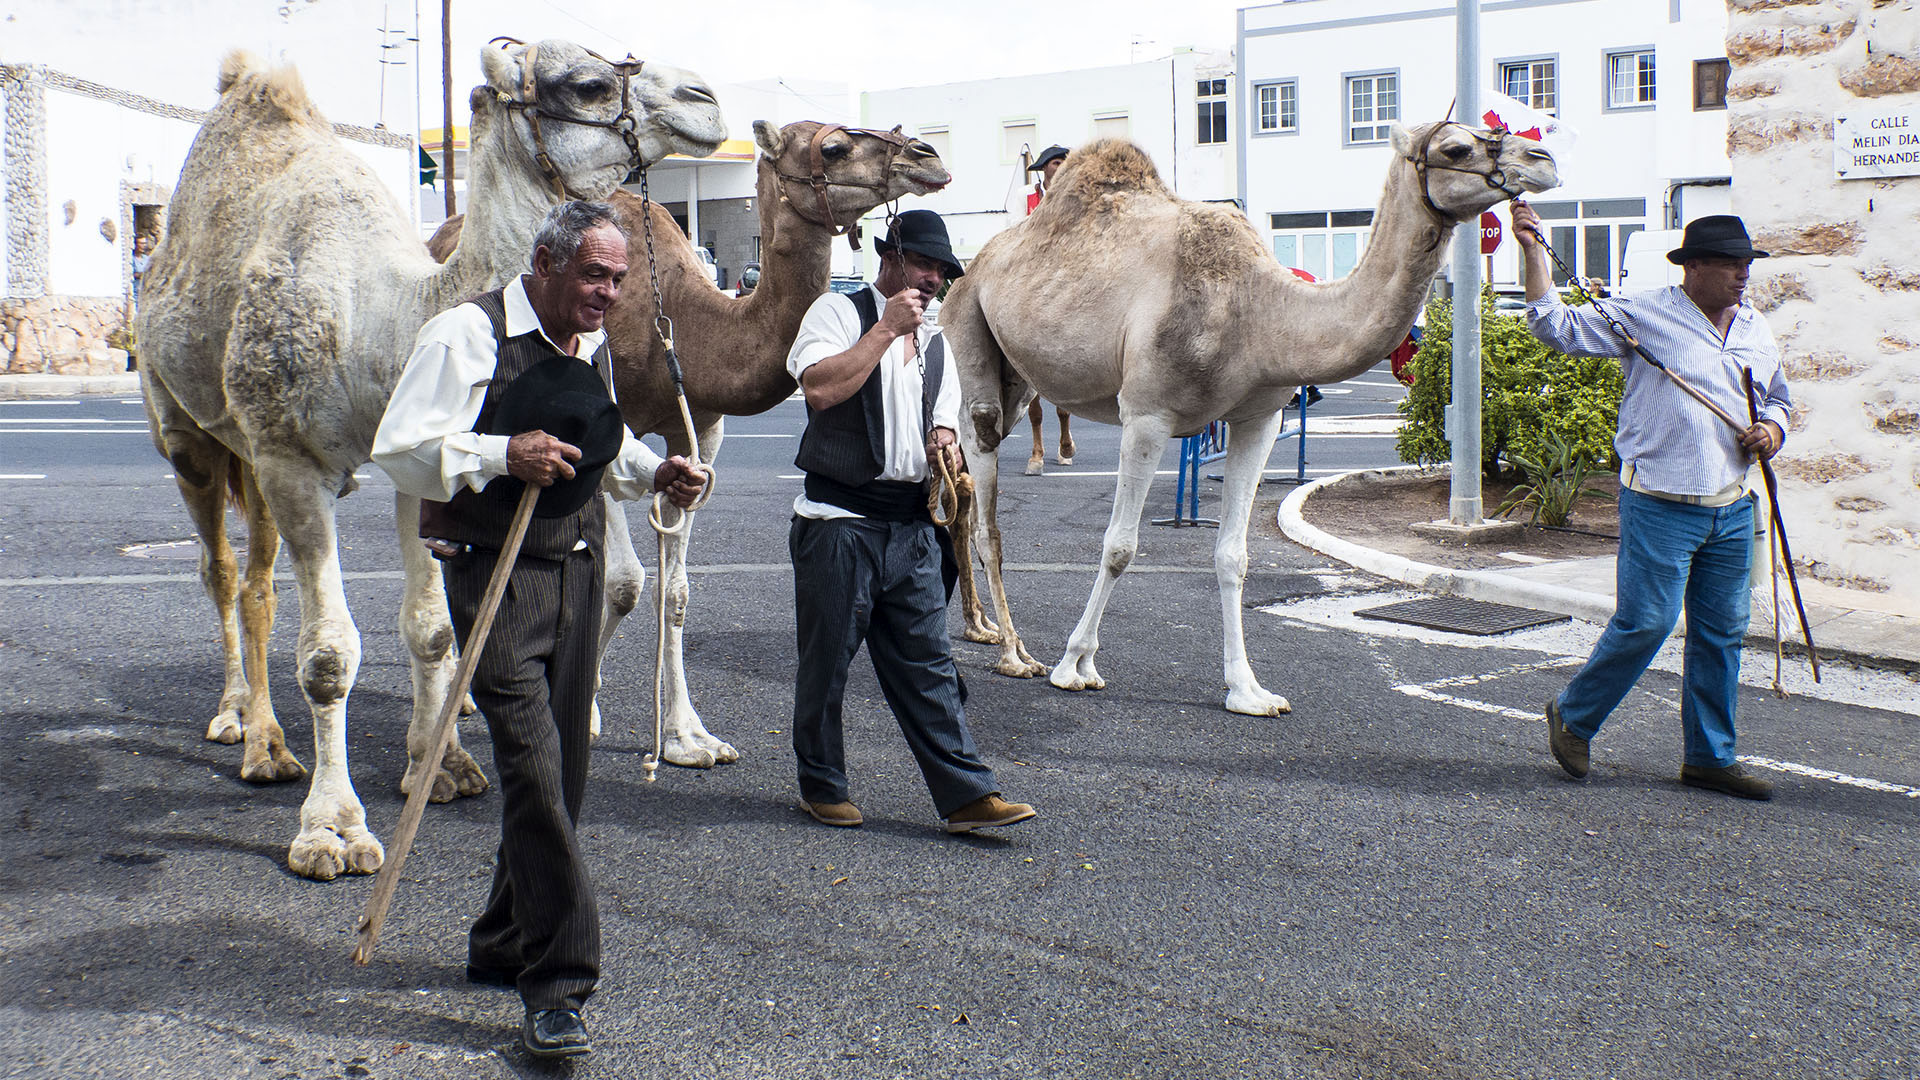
(1464, 506)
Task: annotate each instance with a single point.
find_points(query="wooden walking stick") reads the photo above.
(389, 877)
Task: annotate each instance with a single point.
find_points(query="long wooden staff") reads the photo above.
(1780, 531)
(389, 878)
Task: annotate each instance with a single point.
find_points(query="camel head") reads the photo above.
(593, 120)
(855, 170)
(1461, 170)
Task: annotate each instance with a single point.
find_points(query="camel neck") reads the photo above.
(506, 201)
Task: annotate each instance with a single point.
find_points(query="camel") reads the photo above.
(1123, 304)
(1037, 457)
(274, 322)
(732, 350)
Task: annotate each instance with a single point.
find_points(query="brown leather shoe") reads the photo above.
(987, 812)
(1569, 750)
(842, 815)
(1731, 780)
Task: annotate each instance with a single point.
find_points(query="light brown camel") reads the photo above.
(1037, 457)
(1123, 304)
(274, 322)
(732, 350)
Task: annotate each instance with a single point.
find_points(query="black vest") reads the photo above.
(480, 519)
(845, 446)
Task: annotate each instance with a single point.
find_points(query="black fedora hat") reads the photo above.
(1720, 236)
(923, 233)
(1051, 153)
(567, 399)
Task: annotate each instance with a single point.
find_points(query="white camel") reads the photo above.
(274, 322)
(1118, 302)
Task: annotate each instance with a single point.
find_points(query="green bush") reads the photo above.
(1553, 484)
(1529, 393)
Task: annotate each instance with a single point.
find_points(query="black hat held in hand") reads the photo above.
(567, 399)
(1721, 236)
(923, 233)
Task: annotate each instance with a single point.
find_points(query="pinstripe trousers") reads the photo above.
(534, 684)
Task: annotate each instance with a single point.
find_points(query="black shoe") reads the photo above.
(1313, 395)
(489, 976)
(1730, 780)
(555, 1033)
(1569, 750)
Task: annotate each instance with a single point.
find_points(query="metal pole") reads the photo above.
(1464, 507)
(446, 100)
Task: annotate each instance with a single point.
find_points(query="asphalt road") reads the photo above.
(1392, 881)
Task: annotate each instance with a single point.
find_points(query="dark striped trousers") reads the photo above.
(534, 684)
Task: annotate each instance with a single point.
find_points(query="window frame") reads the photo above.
(1606, 79)
(1292, 81)
(1017, 121)
(1347, 123)
(1501, 65)
(1097, 115)
(1204, 129)
(1725, 67)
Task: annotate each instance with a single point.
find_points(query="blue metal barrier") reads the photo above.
(1208, 446)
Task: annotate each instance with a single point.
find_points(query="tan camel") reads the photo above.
(1037, 457)
(732, 350)
(274, 322)
(1123, 304)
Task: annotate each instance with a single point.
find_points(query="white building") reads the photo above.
(1642, 83)
(102, 100)
(1178, 109)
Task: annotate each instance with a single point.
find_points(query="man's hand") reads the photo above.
(1763, 440)
(905, 311)
(1526, 225)
(680, 480)
(540, 459)
(941, 441)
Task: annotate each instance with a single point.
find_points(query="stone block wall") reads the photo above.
(1843, 290)
(61, 335)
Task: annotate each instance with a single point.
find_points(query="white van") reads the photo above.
(1645, 265)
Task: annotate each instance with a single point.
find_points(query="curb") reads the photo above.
(23, 387)
(1440, 580)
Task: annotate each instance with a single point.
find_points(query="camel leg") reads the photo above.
(685, 740)
(267, 758)
(1066, 436)
(333, 835)
(200, 469)
(1142, 440)
(973, 614)
(427, 629)
(1036, 457)
(1246, 456)
(626, 583)
(984, 462)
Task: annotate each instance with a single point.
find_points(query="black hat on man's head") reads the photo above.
(568, 400)
(1720, 236)
(1051, 153)
(923, 233)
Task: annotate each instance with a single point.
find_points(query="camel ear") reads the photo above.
(502, 68)
(768, 137)
(1402, 140)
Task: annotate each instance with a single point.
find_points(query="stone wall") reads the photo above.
(61, 335)
(1843, 290)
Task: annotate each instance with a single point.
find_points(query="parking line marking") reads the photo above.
(23, 476)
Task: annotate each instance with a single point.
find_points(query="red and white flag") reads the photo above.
(1509, 114)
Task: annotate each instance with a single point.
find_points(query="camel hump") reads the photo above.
(278, 89)
(1111, 165)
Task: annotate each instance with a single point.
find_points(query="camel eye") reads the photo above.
(1456, 152)
(593, 89)
(836, 150)
(920, 149)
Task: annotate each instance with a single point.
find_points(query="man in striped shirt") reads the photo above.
(1686, 512)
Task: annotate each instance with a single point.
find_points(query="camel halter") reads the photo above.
(529, 106)
(1496, 178)
(657, 513)
(817, 174)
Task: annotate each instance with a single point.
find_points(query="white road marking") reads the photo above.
(141, 430)
(65, 420)
(36, 401)
(732, 435)
(23, 476)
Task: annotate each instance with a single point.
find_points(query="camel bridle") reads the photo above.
(528, 105)
(1496, 177)
(817, 174)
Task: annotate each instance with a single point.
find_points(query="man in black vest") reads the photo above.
(450, 436)
(881, 399)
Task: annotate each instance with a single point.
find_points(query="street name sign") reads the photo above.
(1869, 143)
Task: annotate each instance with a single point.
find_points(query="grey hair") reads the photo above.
(566, 224)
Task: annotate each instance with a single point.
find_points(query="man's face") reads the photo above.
(1716, 283)
(1047, 170)
(919, 272)
(581, 293)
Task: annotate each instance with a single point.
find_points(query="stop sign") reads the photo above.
(1489, 233)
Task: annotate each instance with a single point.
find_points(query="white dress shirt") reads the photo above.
(831, 327)
(426, 441)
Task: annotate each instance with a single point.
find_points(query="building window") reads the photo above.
(1630, 79)
(1710, 84)
(938, 138)
(1112, 125)
(1373, 104)
(1276, 108)
(1212, 97)
(1016, 136)
(1535, 83)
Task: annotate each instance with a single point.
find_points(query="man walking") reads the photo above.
(881, 400)
(534, 349)
(1686, 513)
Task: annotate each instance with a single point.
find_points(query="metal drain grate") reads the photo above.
(1456, 616)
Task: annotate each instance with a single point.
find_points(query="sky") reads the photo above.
(867, 44)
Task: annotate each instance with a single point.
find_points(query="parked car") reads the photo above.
(1645, 265)
(845, 284)
(749, 280)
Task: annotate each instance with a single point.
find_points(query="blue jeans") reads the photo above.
(1673, 554)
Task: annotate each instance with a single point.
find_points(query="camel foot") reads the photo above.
(226, 728)
(322, 854)
(691, 752)
(1071, 674)
(593, 722)
(270, 763)
(1036, 466)
(1066, 454)
(981, 635)
(468, 706)
(1064, 459)
(457, 777)
(1257, 702)
(1019, 667)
